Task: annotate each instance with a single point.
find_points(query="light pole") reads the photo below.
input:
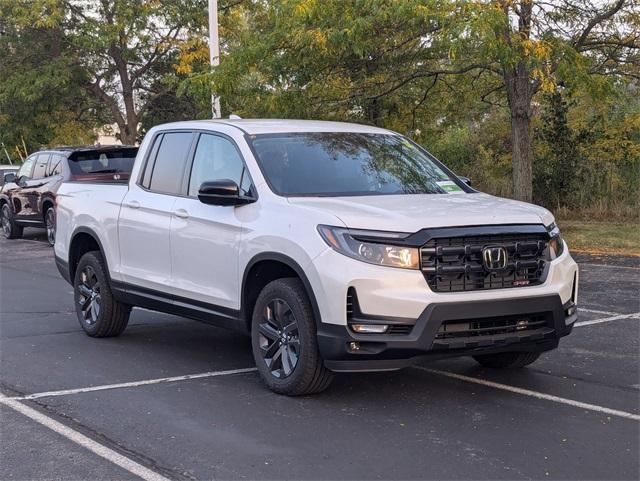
(214, 52)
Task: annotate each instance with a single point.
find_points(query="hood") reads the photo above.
(410, 213)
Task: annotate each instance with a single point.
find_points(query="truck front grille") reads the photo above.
(455, 264)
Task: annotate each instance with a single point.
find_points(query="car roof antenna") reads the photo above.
(234, 117)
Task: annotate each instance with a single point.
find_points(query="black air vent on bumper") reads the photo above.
(399, 330)
(350, 299)
(467, 333)
(396, 327)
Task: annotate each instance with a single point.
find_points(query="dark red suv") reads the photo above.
(28, 196)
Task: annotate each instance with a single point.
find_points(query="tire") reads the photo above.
(283, 332)
(99, 314)
(511, 360)
(50, 225)
(10, 229)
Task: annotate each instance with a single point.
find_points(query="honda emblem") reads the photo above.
(494, 258)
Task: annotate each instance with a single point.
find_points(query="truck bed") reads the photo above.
(91, 206)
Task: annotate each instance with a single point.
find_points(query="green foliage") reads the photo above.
(41, 96)
(451, 74)
(556, 169)
(115, 54)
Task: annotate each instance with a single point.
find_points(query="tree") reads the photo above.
(558, 169)
(528, 43)
(41, 96)
(381, 62)
(120, 45)
(333, 58)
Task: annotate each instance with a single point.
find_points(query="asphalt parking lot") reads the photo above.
(129, 407)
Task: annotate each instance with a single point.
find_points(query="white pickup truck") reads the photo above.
(338, 247)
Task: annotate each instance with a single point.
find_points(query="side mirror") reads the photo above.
(221, 192)
(9, 178)
(466, 180)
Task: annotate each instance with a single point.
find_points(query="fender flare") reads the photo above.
(47, 198)
(92, 233)
(289, 262)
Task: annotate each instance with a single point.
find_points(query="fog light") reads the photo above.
(370, 328)
(571, 311)
(354, 346)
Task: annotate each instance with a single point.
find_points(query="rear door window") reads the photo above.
(40, 171)
(168, 169)
(151, 158)
(55, 165)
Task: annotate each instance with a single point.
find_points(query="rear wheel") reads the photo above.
(284, 341)
(511, 360)
(50, 224)
(99, 314)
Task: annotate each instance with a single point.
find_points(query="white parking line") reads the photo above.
(82, 440)
(608, 319)
(535, 394)
(609, 266)
(593, 311)
(145, 382)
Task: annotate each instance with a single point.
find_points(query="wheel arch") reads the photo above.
(264, 268)
(4, 199)
(84, 240)
(46, 202)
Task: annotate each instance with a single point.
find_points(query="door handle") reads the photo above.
(183, 214)
(134, 204)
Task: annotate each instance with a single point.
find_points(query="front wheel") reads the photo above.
(504, 360)
(10, 229)
(99, 314)
(284, 340)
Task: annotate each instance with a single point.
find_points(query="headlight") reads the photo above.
(556, 244)
(371, 246)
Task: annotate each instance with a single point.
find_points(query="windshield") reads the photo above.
(341, 164)
(101, 162)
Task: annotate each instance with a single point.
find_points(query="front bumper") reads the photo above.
(381, 352)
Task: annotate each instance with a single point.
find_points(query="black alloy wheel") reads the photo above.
(284, 340)
(98, 311)
(6, 221)
(89, 296)
(278, 338)
(50, 224)
(10, 229)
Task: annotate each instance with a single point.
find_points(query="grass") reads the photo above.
(602, 237)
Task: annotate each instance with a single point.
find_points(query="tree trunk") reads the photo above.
(519, 95)
(129, 133)
(521, 155)
(520, 87)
